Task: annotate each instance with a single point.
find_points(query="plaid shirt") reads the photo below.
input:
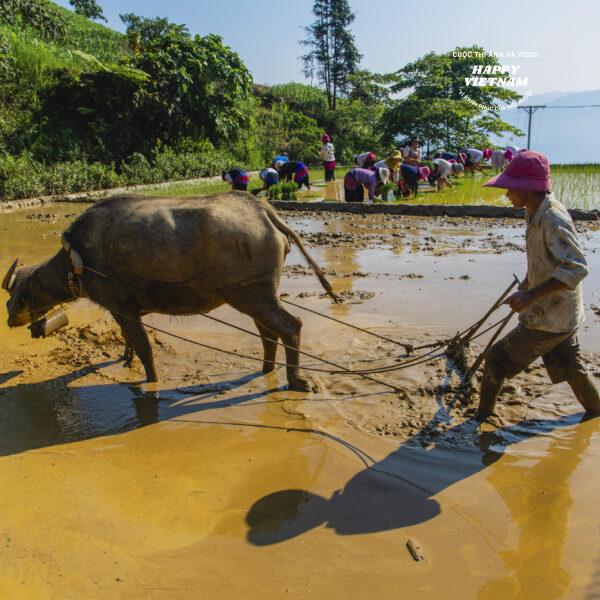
(553, 251)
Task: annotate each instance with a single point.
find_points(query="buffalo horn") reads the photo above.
(9, 278)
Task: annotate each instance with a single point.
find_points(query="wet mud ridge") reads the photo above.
(425, 210)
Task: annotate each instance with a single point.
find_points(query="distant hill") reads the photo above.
(565, 135)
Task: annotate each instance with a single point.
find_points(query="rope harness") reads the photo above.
(450, 347)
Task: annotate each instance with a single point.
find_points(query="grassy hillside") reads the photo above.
(86, 36)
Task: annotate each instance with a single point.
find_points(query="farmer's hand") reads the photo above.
(519, 301)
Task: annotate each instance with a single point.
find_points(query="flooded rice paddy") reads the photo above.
(229, 485)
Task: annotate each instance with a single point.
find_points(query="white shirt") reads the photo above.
(360, 159)
(514, 150)
(267, 171)
(407, 151)
(553, 251)
(382, 164)
(476, 155)
(445, 167)
(327, 152)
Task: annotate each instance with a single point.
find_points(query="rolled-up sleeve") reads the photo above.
(562, 243)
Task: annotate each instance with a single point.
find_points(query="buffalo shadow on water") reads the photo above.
(49, 413)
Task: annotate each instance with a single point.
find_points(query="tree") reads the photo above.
(280, 128)
(441, 108)
(370, 88)
(332, 54)
(43, 16)
(176, 87)
(141, 30)
(443, 76)
(89, 9)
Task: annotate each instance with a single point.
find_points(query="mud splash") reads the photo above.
(229, 482)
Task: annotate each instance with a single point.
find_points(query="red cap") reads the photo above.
(528, 171)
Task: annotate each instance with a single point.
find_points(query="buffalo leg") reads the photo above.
(269, 342)
(266, 309)
(136, 336)
(128, 353)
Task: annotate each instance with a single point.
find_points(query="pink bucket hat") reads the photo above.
(528, 171)
(325, 138)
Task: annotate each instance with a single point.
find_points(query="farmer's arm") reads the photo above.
(372, 186)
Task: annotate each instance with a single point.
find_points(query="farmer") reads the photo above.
(365, 160)
(328, 156)
(511, 152)
(237, 179)
(281, 158)
(357, 179)
(296, 170)
(392, 163)
(442, 169)
(409, 179)
(498, 160)
(449, 156)
(411, 153)
(269, 177)
(474, 158)
(549, 300)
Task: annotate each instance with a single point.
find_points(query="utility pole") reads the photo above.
(530, 109)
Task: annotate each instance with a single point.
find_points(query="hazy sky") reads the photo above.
(390, 33)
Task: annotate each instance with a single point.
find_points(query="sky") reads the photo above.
(391, 33)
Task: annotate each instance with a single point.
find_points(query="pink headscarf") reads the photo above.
(487, 153)
(424, 172)
(508, 155)
(325, 138)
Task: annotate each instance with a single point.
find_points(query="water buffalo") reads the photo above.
(175, 256)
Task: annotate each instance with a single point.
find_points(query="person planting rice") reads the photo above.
(474, 158)
(498, 160)
(237, 179)
(511, 152)
(550, 299)
(294, 170)
(441, 171)
(269, 177)
(365, 160)
(411, 153)
(281, 158)
(393, 164)
(357, 179)
(449, 156)
(328, 156)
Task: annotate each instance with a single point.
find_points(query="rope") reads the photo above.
(314, 357)
(461, 337)
(408, 347)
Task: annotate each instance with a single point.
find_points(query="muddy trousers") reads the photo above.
(560, 354)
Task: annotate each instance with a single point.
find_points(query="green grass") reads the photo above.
(576, 186)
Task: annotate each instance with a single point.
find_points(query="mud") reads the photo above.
(230, 482)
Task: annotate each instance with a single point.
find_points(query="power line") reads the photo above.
(576, 106)
(531, 108)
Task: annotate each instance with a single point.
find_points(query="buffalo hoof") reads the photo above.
(303, 384)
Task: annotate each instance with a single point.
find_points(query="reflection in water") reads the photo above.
(342, 260)
(539, 499)
(38, 415)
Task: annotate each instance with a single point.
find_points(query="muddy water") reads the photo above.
(228, 482)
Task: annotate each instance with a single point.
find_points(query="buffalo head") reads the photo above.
(28, 300)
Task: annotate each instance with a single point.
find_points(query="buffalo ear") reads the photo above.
(9, 278)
